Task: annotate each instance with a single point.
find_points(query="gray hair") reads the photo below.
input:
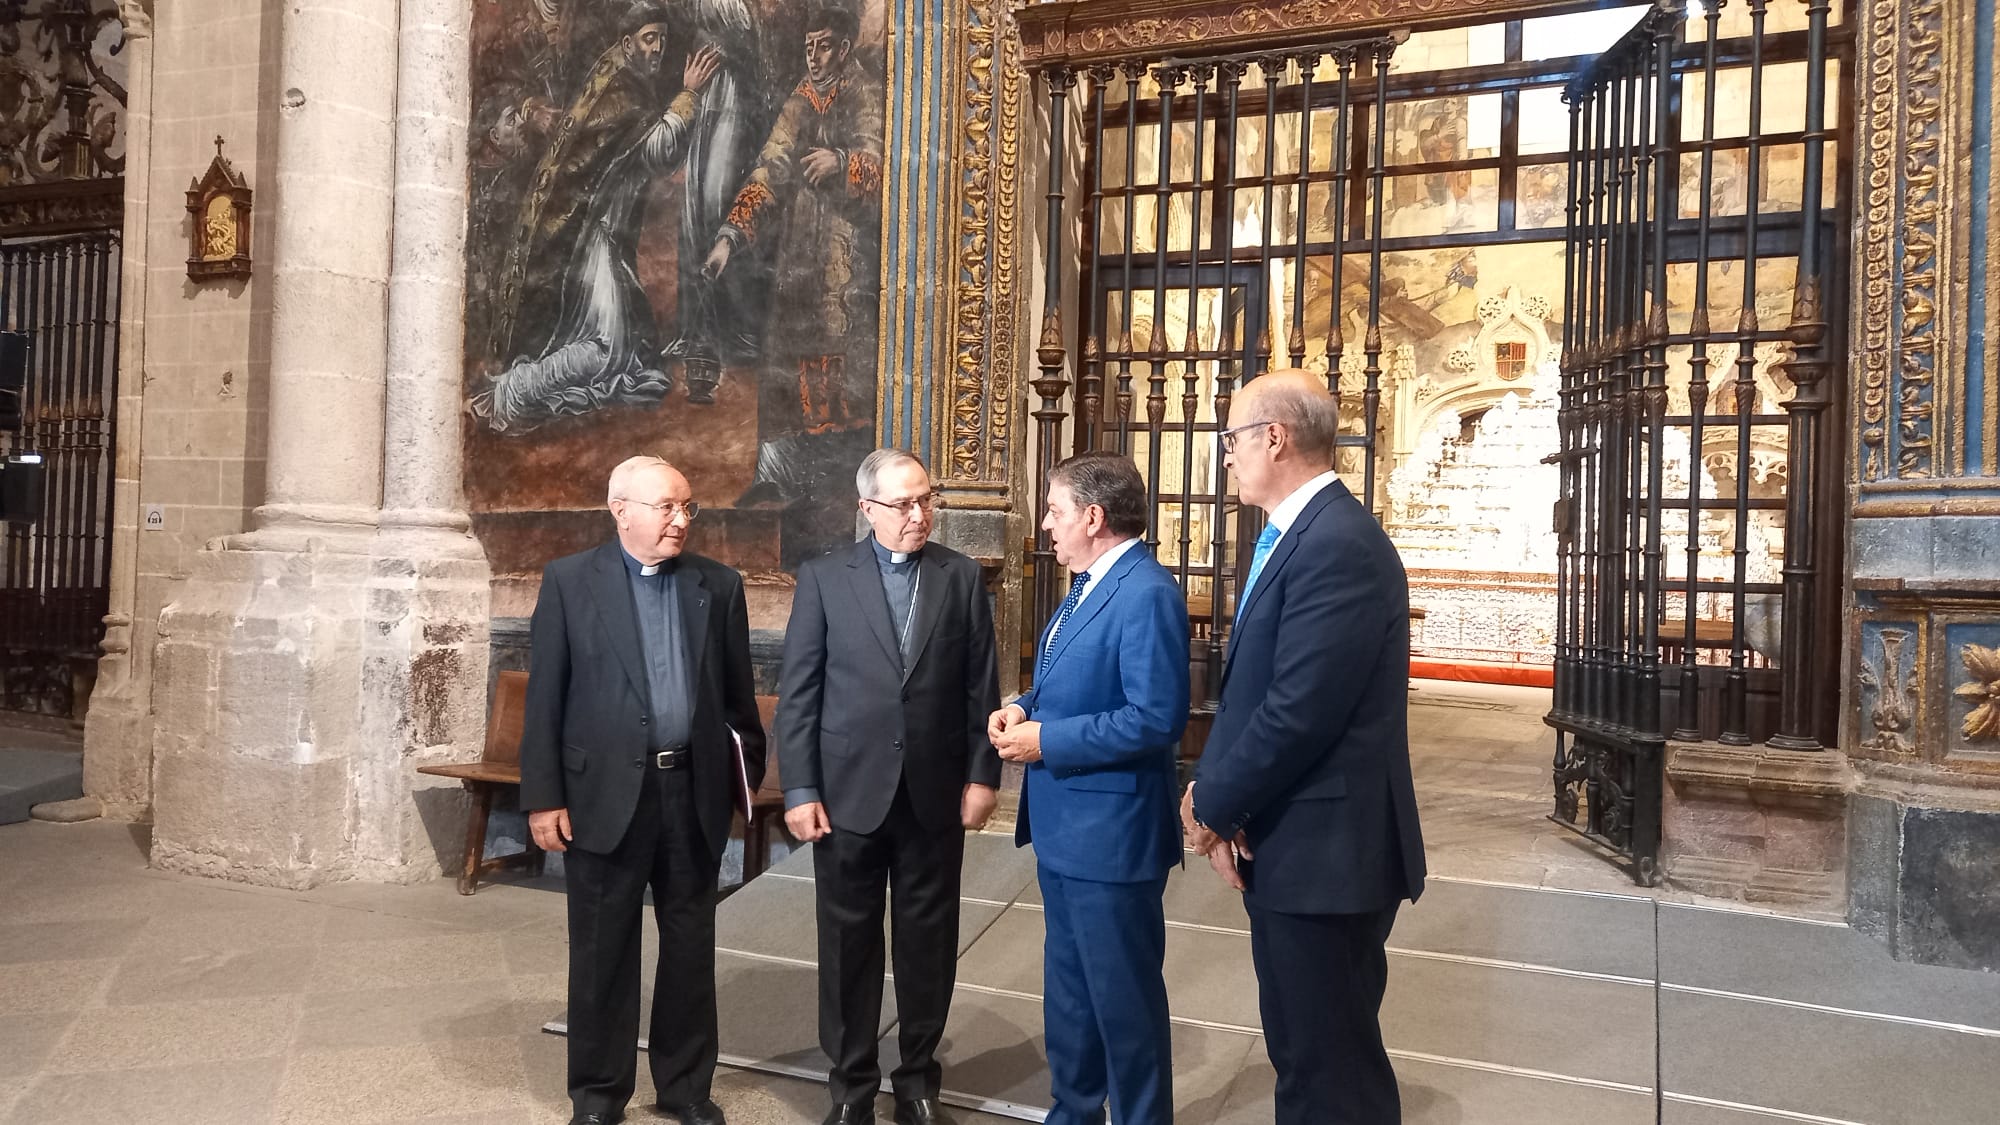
(621, 477)
(868, 476)
(1110, 481)
(1311, 416)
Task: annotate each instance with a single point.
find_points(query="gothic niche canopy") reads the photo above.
(219, 222)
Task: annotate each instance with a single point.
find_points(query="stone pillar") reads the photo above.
(266, 752)
(426, 640)
(117, 761)
(1922, 692)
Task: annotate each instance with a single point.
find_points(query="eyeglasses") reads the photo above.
(672, 509)
(908, 508)
(1229, 435)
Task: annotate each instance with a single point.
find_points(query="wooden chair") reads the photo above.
(499, 766)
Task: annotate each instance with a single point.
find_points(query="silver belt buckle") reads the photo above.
(664, 760)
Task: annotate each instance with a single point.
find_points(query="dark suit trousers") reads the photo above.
(1104, 1006)
(662, 849)
(920, 867)
(1320, 979)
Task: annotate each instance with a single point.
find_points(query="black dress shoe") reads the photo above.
(703, 1112)
(920, 1111)
(863, 1114)
(597, 1119)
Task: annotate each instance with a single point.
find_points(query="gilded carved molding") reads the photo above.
(980, 377)
(1909, 322)
(1081, 30)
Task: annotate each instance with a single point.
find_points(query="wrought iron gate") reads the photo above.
(1687, 640)
(55, 573)
(1195, 277)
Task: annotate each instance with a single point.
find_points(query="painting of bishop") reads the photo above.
(675, 248)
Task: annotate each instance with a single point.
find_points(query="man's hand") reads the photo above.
(807, 822)
(1223, 859)
(718, 259)
(819, 164)
(1002, 719)
(975, 805)
(1021, 742)
(1199, 837)
(550, 828)
(701, 66)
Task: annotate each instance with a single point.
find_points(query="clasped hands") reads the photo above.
(1017, 737)
(1222, 854)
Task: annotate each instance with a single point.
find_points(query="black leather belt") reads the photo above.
(671, 758)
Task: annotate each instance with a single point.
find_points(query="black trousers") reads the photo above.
(663, 850)
(920, 868)
(1320, 979)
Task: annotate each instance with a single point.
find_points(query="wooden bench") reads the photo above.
(767, 804)
(499, 765)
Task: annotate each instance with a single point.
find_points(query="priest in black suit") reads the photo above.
(640, 669)
(889, 677)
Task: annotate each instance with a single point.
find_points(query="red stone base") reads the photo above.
(1758, 825)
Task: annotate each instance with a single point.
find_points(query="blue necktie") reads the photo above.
(1266, 539)
(1076, 585)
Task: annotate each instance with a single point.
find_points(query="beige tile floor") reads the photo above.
(131, 995)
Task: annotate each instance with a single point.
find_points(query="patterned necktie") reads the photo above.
(1266, 539)
(1076, 585)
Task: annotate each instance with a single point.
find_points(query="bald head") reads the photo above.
(1283, 428)
(1299, 401)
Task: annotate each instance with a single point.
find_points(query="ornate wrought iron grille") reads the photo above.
(55, 573)
(1694, 640)
(1196, 268)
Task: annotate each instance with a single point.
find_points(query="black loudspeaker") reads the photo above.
(23, 478)
(13, 379)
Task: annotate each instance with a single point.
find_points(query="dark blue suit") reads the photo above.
(1099, 808)
(1310, 757)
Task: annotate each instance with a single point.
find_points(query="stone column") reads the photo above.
(425, 647)
(335, 165)
(265, 757)
(1922, 697)
(117, 760)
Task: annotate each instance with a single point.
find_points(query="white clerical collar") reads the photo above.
(647, 570)
(899, 556)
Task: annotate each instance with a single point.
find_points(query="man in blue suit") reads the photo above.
(1303, 798)
(1099, 733)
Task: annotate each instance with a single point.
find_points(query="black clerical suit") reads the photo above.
(632, 692)
(888, 681)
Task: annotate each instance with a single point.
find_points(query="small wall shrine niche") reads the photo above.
(219, 222)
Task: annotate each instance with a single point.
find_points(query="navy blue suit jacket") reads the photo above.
(1310, 751)
(1113, 704)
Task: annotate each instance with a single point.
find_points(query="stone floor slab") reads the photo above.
(1587, 933)
(158, 978)
(421, 1014)
(27, 1039)
(1824, 1064)
(175, 1035)
(399, 1083)
(1762, 955)
(233, 1092)
(53, 986)
(1521, 1019)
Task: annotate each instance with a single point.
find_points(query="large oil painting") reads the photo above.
(675, 249)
